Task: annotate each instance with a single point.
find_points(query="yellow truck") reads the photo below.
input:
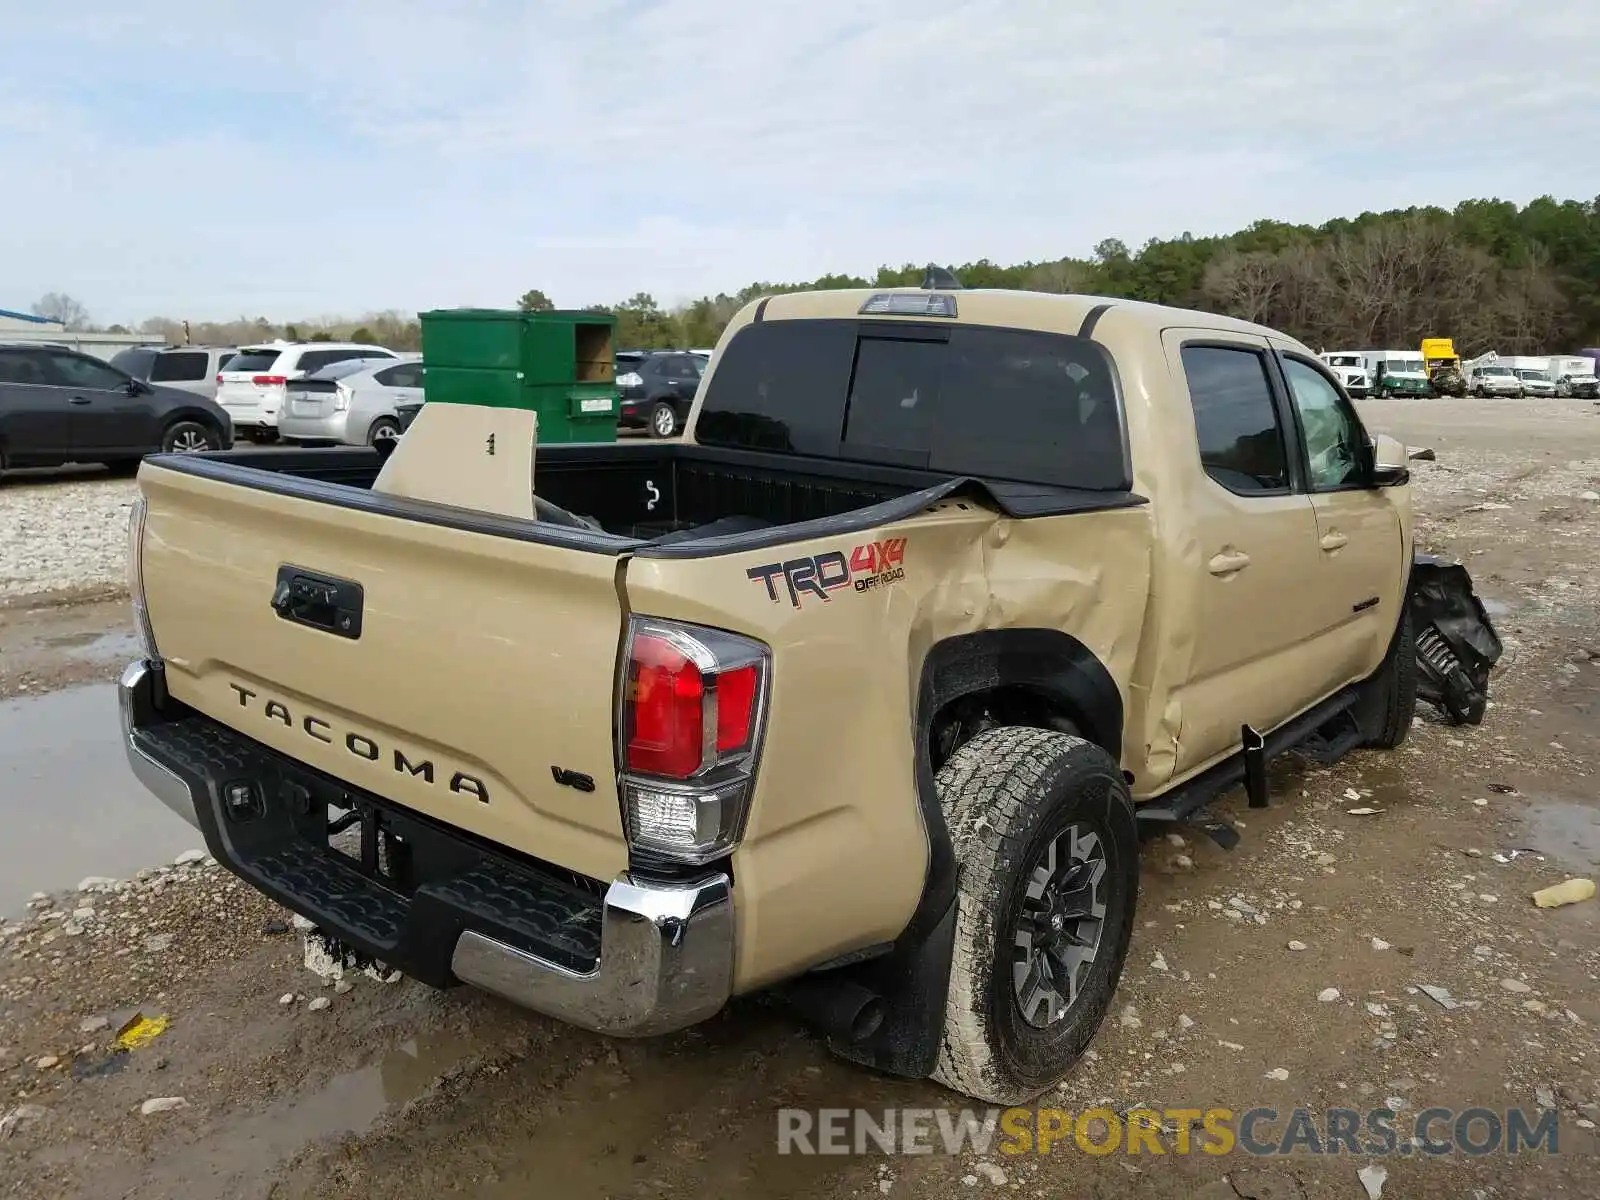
(1442, 365)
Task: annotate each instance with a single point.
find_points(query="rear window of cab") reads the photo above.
(974, 400)
(252, 360)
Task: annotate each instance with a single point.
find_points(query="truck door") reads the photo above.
(1249, 549)
(1361, 568)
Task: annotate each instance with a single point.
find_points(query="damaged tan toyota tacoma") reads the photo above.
(863, 693)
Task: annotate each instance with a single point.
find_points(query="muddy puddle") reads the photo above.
(68, 802)
(239, 1152)
(1567, 831)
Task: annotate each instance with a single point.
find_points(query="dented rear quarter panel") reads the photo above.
(835, 853)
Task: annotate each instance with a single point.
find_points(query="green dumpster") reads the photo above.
(559, 364)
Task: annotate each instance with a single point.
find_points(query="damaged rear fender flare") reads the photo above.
(1052, 664)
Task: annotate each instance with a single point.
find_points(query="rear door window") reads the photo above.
(1235, 420)
(403, 375)
(180, 366)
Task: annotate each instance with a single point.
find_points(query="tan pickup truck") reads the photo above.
(864, 692)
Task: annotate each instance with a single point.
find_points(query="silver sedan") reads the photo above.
(353, 402)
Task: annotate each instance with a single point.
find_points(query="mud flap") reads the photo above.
(1457, 645)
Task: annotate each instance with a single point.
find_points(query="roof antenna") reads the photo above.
(937, 278)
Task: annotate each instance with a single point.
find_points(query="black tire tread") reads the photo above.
(989, 790)
(1397, 682)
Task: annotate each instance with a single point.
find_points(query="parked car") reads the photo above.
(1494, 381)
(253, 385)
(656, 389)
(1534, 383)
(59, 406)
(1579, 385)
(187, 368)
(864, 691)
(355, 401)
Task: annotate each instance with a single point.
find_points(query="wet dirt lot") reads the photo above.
(397, 1091)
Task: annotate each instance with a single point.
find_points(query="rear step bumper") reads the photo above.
(644, 957)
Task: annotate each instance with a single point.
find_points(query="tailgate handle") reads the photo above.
(318, 601)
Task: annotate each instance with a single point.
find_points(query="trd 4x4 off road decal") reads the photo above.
(869, 565)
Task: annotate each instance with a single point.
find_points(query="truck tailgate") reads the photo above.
(490, 659)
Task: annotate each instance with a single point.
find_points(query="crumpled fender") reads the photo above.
(1456, 643)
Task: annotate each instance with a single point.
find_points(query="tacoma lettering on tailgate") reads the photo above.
(869, 565)
(359, 744)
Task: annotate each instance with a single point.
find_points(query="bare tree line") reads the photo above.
(1388, 285)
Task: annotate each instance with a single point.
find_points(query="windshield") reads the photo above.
(1500, 371)
(1344, 360)
(1402, 364)
(1537, 376)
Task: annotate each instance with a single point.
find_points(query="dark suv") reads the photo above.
(657, 387)
(59, 406)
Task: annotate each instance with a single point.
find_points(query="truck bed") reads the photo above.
(652, 498)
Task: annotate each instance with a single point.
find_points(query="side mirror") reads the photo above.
(1389, 459)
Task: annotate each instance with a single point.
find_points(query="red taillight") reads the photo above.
(665, 730)
(692, 706)
(736, 707)
(666, 702)
(219, 379)
(269, 380)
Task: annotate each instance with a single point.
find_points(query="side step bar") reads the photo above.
(1249, 765)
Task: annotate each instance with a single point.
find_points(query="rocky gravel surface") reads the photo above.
(63, 537)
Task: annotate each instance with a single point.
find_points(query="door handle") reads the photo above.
(1229, 562)
(80, 400)
(1333, 540)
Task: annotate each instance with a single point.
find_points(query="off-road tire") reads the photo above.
(1393, 698)
(1006, 794)
(655, 421)
(175, 438)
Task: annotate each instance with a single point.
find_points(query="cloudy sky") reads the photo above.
(205, 158)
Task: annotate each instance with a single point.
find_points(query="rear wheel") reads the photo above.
(383, 429)
(1048, 854)
(663, 420)
(188, 437)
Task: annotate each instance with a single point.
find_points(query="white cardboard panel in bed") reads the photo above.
(467, 455)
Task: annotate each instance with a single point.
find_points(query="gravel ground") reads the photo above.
(63, 538)
(1376, 879)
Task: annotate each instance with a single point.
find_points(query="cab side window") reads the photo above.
(1241, 443)
(1335, 441)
